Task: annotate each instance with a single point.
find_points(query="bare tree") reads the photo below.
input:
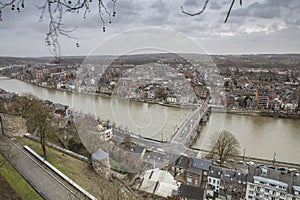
(41, 118)
(21, 105)
(127, 142)
(224, 145)
(37, 115)
(55, 9)
(204, 8)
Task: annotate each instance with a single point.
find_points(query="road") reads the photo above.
(177, 145)
(46, 182)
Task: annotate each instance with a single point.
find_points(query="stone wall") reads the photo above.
(13, 126)
(102, 168)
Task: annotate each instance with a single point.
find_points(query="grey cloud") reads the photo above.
(215, 6)
(269, 9)
(160, 7)
(156, 20)
(264, 11)
(128, 11)
(192, 3)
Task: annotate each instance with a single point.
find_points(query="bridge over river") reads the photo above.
(182, 138)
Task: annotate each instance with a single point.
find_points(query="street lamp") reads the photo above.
(274, 158)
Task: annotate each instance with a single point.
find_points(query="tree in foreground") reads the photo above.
(224, 145)
(54, 11)
(204, 8)
(37, 115)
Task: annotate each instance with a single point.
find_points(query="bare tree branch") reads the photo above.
(204, 8)
(197, 13)
(55, 10)
(15, 5)
(228, 13)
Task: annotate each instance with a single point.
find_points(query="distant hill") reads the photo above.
(255, 61)
(258, 61)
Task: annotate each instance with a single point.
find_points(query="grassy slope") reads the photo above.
(18, 183)
(78, 171)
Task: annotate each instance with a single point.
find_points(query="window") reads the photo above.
(267, 190)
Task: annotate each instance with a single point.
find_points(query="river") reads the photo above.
(259, 136)
(148, 120)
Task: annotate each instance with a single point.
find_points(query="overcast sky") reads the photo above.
(264, 26)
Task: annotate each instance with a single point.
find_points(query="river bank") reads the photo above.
(271, 114)
(259, 113)
(282, 114)
(107, 95)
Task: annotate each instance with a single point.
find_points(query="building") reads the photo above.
(272, 183)
(192, 173)
(213, 183)
(226, 183)
(197, 171)
(179, 166)
(298, 108)
(233, 184)
(171, 98)
(62, 110)
(138, 151)
(262, 98)
(105, 134)
(158, 182)
(265, 188)
(229, 100)
(188, 192)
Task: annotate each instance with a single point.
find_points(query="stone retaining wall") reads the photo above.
(13, 126)
(102, 168)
